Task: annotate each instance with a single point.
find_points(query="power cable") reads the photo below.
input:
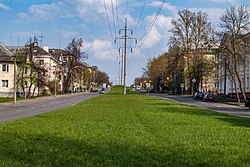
(113, 14)
(140, 15)
(144, 37)
(117, 14)
(126, 7)
(107, 17)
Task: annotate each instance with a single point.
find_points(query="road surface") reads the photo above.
(233, 110)
(32, 107)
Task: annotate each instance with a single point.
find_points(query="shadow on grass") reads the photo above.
(49, 150)
(236, 121)
(175, 107)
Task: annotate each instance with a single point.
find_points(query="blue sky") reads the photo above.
(62, 20)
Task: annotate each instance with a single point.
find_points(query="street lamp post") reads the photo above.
(55, 67)
(55, 83)
(14, 80)
(193, 81)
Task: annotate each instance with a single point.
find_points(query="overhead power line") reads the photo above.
(107, 17)
(144, 37)
(117, 14)
(143, 7)
(113, 15)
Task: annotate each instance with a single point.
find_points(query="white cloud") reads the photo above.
(166, 6)
(90, 10)
(100, 49)
(159, 32)
(224, 1)
(47, 12)
(22, 34)
(214, 14)
(67, 34)
(2, 6)
(25, 34)
(23, 16)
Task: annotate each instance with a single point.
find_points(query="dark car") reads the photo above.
(209, 97)
(198, 96)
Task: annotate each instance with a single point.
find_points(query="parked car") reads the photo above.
(102, 91)
(198, 96)
(209, 97)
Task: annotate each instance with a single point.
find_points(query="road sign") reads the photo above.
(193, 80)
(182, 85)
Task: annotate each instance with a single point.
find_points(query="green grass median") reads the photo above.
(126, 130)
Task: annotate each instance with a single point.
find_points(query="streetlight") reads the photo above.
(193, 81)
(55, 81)
(14, 80)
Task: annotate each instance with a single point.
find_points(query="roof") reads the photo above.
(5, 54)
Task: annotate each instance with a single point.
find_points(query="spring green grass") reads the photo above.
(126, 130)
(2, 100)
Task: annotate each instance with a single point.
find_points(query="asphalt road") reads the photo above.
(233, 110)
(32, 107)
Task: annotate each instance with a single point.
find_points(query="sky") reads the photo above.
(98, 23)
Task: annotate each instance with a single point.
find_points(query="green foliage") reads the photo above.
(126, 130)
(8, 99)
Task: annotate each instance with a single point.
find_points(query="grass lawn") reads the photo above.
(5, 100)
(8, 99)
(126, 130)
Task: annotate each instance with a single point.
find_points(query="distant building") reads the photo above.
(6, 72)
(225, 81)
(36, 70)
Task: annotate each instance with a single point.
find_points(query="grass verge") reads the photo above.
(126, 130)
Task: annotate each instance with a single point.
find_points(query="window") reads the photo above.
(5, 68)
(26, 70)
(247, 82)
(5, 84)
(41, 62)
(26, 84)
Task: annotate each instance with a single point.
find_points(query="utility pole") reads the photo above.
(15, 78)
(124, 57)
(121, 72)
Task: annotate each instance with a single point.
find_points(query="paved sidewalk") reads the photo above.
(234, 110)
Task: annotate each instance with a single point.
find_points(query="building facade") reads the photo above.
(6, 72)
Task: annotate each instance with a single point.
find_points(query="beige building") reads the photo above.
(6, 72)
(47, 70)
(225, 82)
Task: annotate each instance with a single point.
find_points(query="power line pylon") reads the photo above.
(124, 57)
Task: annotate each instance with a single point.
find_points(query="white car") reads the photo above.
(102, 91)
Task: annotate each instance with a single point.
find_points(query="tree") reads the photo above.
(31, 75)
(234, 24)
(75, 65)
(190, 32)
(156, 71)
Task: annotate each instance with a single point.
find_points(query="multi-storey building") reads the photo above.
(6, 72)
(36, 69)
(226, 84)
